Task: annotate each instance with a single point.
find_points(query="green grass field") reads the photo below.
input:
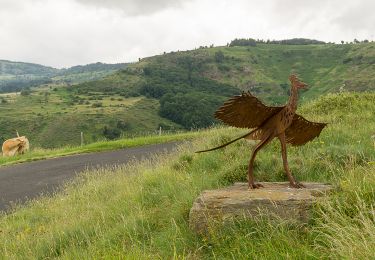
(140, 211)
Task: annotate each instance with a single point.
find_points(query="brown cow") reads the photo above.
(14, 146)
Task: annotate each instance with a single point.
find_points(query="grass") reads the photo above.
(140, 211)
(40, 153)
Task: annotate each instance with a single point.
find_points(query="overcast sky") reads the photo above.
(62, 33)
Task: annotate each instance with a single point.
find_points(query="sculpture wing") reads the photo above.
(245, 111)
(301, 131)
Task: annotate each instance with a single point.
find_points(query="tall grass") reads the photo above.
(140, 211)
(345, 224)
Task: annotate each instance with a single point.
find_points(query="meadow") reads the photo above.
(140, 211)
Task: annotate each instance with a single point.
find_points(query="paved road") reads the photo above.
(21, 182)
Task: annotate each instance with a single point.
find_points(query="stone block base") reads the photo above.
(275, 200)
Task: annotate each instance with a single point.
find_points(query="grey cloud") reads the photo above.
(359, 17)
(135, 7)
(71, 32)
(8, 6)
(289, 11)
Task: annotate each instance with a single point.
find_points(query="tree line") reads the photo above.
(253, 42)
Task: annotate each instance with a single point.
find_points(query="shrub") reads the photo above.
(97, 104)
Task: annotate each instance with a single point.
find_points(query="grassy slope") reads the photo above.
(55, 121)
(141, 211)
(263, 68)
(324, 67)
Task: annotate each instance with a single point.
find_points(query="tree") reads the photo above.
(46, 94)
(97, 104)
(123, 125)
(191, 110)
(25, 92)
(243, 42)
(111, 133)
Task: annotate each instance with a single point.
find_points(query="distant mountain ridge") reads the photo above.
(15, 68)
(15, 76)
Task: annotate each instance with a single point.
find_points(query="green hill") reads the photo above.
(207, 76)
(179, 90)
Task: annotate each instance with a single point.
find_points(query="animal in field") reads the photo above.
(15, 146)
(267, 123)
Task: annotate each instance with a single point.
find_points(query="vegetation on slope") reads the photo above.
(141, 211)
(55, 117)
(216, 73)
(180, 89)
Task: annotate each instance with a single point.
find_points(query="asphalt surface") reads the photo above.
(21, 182)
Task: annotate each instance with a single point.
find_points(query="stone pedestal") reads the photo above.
(276, 200)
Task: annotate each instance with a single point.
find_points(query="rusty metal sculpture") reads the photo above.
(246, 111)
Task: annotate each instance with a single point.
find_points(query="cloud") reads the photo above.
(359, 17)
(135, 7)
(67, 33)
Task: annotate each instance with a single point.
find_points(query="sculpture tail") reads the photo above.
(223, 145)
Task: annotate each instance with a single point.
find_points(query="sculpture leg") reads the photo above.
(291, 179)
(250, 173)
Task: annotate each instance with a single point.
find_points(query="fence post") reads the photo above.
(160, 130)
(81, 138)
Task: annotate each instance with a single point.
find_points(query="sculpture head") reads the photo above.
(296, 83)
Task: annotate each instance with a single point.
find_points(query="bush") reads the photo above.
(25, 92)
(97, 104)
(123, 125)
(111, 133)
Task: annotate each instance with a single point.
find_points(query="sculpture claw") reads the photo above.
(297, 185)
(255, 186)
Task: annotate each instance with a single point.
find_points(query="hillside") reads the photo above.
(51, 116)
(141, 211)
(205, 77)
(178, 90)
(15, 76)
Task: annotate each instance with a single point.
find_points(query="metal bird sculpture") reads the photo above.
(246, 111)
